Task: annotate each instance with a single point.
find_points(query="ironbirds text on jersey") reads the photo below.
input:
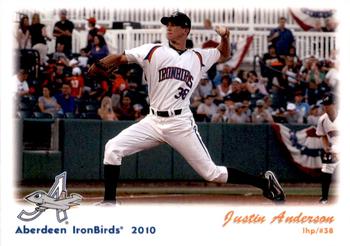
(171, 77)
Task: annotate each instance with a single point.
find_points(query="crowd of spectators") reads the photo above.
(284, 89)
(56, 85)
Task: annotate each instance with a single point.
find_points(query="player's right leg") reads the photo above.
(185, 138)
(268, 183)
(326, 180)
(133, 139)
(329, 165)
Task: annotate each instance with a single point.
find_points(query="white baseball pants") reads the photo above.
(329, 167)
(179, 131)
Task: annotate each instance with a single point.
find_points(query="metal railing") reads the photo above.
(232, 17)
(307, 43)
(235, 18)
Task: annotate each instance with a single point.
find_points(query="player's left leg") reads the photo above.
(140, 136)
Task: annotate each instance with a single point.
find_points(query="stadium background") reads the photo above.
(76, 145)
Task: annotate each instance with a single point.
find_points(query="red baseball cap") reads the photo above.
(102, 30)
(91, 20)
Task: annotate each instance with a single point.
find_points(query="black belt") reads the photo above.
(166, 113)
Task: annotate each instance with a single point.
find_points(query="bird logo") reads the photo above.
(56, 198)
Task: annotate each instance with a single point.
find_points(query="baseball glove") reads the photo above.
(103, 67)
(328, 157)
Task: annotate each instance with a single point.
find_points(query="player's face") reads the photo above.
(175, 33)
(331, 111)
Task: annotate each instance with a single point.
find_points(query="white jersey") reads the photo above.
(326, 127)
(171, 77)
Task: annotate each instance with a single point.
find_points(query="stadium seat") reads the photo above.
(27, 103)
(24, 106)
(279, 119)
(58, 116)
(28, 99)
(24, 114)
(41, 115)
(70, 115)
(90, 108)
(90, 115)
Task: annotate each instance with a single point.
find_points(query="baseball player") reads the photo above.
(326, 128)
(173, 72)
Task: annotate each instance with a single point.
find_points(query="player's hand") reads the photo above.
(223, 31)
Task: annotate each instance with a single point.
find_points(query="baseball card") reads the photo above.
(174, 123)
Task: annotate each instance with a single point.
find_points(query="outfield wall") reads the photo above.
(250, 148)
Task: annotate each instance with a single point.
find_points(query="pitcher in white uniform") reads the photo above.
(172, 73)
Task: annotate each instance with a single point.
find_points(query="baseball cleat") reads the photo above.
(105, 203)
(274, 190)
(323, 201)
